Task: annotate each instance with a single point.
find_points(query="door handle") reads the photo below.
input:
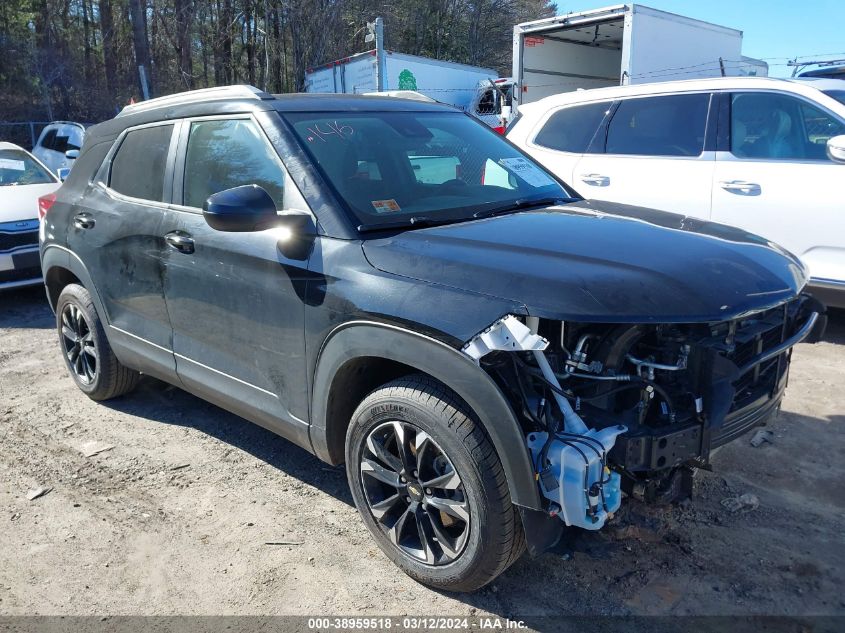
(83, 221)
(597, 180)
(180, 241)
(741, 187)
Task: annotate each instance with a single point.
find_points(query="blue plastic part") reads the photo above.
(572, 458)
(613, 492)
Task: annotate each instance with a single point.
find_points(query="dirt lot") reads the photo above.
(174, 519)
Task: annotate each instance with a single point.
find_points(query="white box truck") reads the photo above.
(618, 45)
(447, 82)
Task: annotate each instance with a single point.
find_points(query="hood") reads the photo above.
(20, 202)
(600, 262)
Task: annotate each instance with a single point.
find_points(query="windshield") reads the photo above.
(394, 168)
(19, 168)
(839, 95)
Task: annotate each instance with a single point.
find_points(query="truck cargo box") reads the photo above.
(618, 45)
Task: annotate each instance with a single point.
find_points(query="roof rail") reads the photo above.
(192, 96)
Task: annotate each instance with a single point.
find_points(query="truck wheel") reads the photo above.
(430, 487)
(86, 350)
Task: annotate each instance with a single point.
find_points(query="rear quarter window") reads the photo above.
(572, 129)
(137, 169)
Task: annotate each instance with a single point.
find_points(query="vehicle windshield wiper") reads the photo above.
(518, 205)
(415, 221)
(418, 221)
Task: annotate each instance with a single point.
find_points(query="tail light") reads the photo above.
(500, 129)
(44, 204)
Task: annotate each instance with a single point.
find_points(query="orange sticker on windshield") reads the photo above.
(386, 206)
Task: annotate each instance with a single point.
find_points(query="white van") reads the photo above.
(758, 153)
(59, 144)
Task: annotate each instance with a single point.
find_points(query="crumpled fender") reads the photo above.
(359, 339)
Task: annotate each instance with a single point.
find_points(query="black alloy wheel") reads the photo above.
(79, 345)
(429, 485)
(85, 347)
(415, 493)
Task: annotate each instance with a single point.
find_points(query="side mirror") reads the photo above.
(250, 208)
(63, 173)
(836, 148)
(72, 154)
(240, 209)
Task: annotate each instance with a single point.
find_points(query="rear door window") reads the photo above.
(668, 125)
(138, 167)
(229, 153)
(572, 129)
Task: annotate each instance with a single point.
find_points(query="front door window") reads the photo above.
(229, 153)
(773, 126)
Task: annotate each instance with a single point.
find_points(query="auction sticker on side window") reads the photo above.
(15, 165)
(386, 206)
(527, 170)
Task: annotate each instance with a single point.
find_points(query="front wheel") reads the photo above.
(430, 487)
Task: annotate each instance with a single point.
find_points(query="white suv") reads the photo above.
(59, 145)
(758, 153)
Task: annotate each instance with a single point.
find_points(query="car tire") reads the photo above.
(86, 350)
(479, 534)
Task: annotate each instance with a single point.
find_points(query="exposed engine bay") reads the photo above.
(609, 408)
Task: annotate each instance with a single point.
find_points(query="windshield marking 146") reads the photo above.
(431, 168)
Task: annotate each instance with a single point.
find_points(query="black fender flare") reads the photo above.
(360, 339)
(55, 256)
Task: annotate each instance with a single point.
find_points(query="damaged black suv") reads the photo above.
(390, 284)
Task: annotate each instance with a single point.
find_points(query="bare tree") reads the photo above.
(80, 58)
(138, 13)
(109, 48)
(184, 18)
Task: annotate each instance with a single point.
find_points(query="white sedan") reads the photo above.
(23, 180)
(758, 153)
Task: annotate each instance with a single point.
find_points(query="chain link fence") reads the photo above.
(23, 133)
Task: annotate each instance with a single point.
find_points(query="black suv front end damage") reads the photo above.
(678, 390)
(646, 340)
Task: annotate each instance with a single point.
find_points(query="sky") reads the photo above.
(773, 30)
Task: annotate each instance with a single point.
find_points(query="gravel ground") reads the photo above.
(176, 517)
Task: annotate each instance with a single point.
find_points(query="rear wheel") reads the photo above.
(430, 486)
(86, 350)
